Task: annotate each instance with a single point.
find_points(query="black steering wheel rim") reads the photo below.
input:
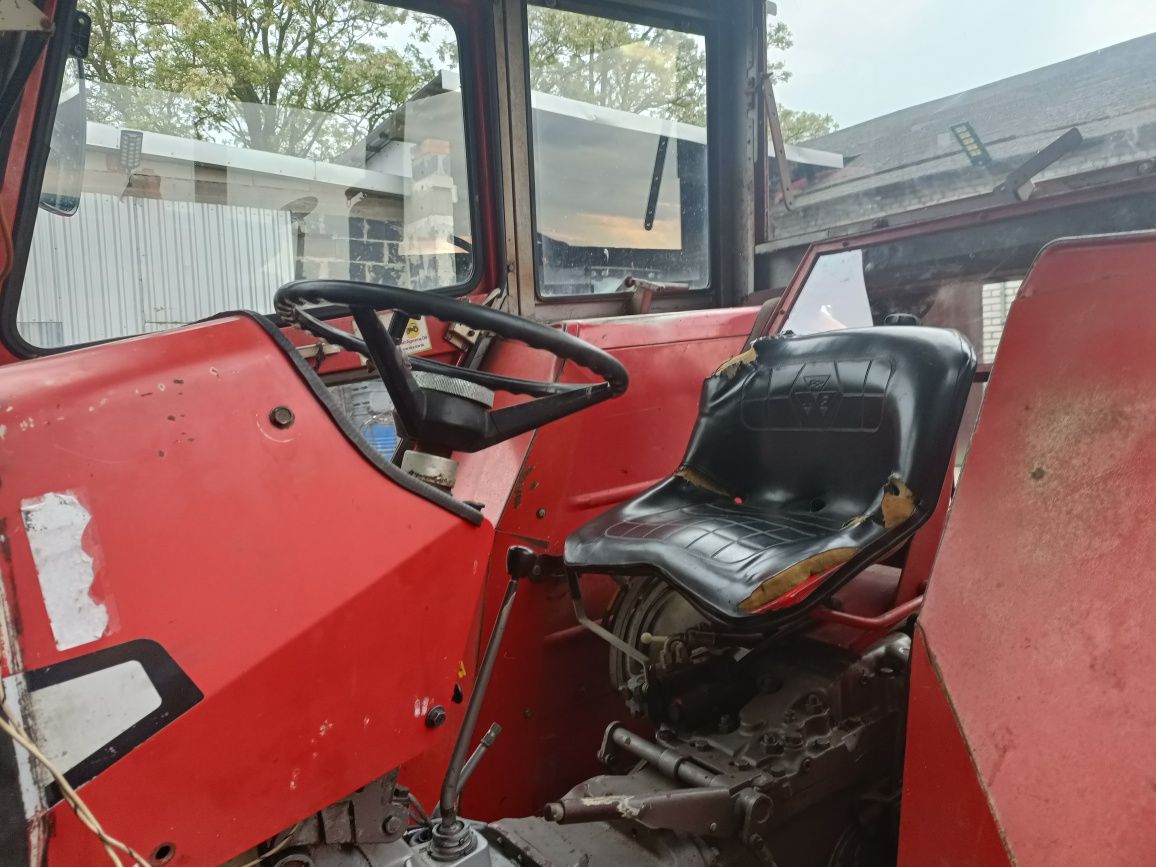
(411, 405)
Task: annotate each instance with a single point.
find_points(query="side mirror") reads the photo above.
(64, 168)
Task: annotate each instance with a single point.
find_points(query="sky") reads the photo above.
(859, 59)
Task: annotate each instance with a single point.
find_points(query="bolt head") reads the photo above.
(281, 416)
(435, 717)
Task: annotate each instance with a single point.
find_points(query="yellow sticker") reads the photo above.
(416, 337)
(461, 669)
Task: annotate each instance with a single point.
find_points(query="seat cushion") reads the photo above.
(721, 552)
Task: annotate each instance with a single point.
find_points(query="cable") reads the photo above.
(111, 844)
(422, 815)
(256, 862)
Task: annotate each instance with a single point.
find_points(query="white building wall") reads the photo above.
(109, 270)
(997, 301)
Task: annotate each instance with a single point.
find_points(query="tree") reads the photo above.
(312, 77)
(797, 125)
(300, 77)
(640, 69)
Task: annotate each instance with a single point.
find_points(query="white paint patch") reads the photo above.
(625, 805)
(55, 525)
(325, 727)
(421, 707)
(75, 718)
(3, 431)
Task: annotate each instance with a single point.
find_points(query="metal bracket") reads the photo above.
(1019, 181)
(22, 16)
(605, 634)
(776, 129)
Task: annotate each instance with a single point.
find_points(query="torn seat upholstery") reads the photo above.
(812, 458)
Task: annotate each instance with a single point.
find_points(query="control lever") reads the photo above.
(479, 753)
(452, 837)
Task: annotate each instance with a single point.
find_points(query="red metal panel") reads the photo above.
(946, 820)
(308, 596)
(551, 690)
(1039, 613)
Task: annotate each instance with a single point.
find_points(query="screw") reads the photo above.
(727, 723)
(805, 765)
(712, 827)
(281, 416)
(392, 825)
(435, 717)
(541, 513)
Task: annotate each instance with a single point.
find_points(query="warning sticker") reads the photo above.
(416, 337)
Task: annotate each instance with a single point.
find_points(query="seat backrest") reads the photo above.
(824, 421)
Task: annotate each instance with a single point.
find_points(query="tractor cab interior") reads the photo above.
(579, 396)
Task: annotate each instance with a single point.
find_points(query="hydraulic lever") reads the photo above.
(452, 837)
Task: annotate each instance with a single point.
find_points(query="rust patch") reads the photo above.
(1038, 473)
(793, 576)
(898, 502)
(519, 484)
(731, 366)
(5, 543)
(699, 480)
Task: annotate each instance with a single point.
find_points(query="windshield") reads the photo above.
(619, 137)
(228, 152)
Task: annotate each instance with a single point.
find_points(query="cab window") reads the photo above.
(619, 123)
(226, 154)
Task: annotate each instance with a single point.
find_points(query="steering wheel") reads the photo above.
(440, 406)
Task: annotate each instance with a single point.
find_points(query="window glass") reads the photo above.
(886, 115)
(834, 297)
(231, 148)
(620, 170)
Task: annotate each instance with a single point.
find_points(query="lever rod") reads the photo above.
(452, 838)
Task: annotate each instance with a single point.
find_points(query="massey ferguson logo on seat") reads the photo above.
(813, 396)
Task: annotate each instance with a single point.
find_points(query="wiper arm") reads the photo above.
(1019, 180)
(656, 181)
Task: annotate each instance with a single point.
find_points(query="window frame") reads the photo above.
(692, 20)
(473, 47)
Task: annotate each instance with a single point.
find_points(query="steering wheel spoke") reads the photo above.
(439, 419)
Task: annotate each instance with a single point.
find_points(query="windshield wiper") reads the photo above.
(1019, 180)
(656, 181)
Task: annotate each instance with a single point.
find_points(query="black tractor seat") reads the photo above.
(812, 458)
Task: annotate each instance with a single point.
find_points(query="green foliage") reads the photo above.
(800, 126)
(616, 64)
(294, 76)
(645, 70)
(312, 77)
